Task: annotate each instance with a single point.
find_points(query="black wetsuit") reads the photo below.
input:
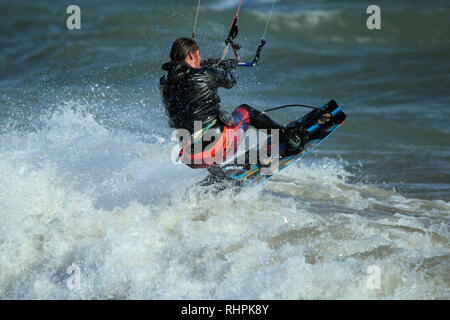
(191, 94)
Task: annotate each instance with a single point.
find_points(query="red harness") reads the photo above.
(221, 150)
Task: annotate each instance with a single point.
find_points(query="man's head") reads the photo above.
(187, 50)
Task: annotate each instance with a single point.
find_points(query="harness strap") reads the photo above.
(197, 135)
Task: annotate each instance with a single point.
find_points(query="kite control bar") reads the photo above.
(255, 61)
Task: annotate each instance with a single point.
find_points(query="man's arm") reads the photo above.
(224, 72)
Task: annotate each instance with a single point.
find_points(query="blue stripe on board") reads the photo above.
(335, 111)
(312, 128)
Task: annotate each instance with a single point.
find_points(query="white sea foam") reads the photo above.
(74, 193)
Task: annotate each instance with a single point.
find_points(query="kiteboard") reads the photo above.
(319, 124)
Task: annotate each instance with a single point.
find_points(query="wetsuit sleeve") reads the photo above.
(225, 73)
(210, 62)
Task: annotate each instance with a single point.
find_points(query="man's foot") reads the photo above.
(295, 136)
(217, 173)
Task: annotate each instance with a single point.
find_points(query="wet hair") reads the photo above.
(181, 48)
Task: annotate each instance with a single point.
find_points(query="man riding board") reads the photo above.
(190, 95)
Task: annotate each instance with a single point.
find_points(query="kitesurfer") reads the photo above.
(190, 93)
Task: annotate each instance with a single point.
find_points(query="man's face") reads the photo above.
(196, 59)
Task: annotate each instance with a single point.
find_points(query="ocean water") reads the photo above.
(88, 190)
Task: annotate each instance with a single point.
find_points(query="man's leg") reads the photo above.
(260, 120)
(289, 139)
